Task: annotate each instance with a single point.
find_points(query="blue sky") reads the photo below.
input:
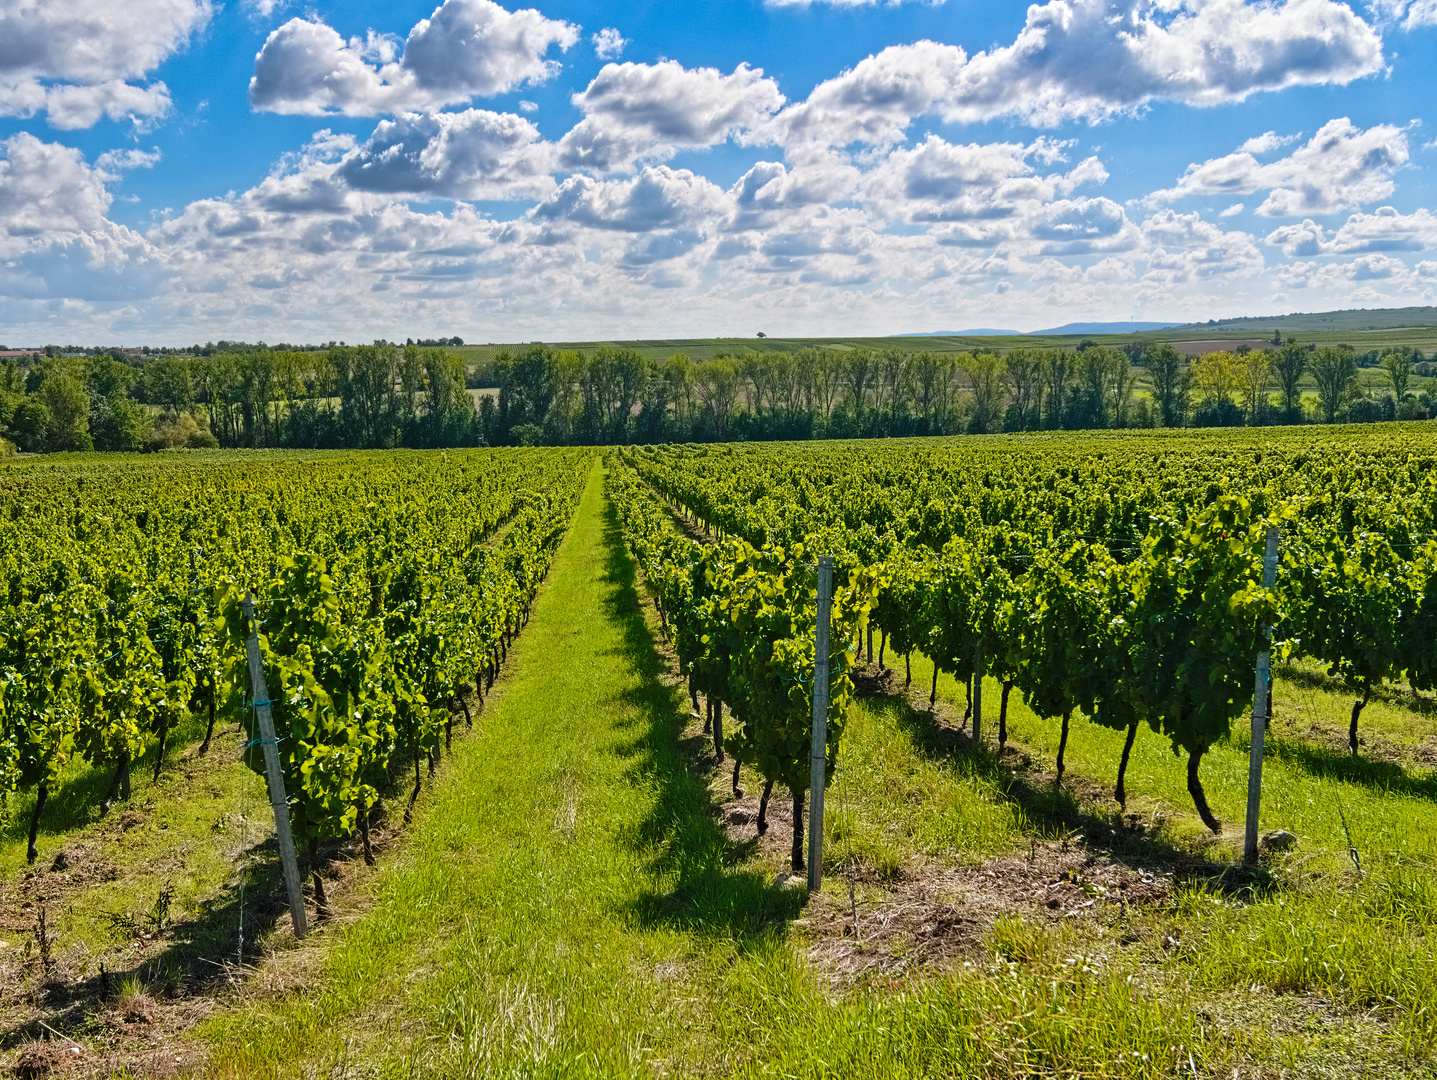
(182, 170)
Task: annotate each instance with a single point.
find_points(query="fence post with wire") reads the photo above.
(277, 797)
(1261, 691)
(819, 754)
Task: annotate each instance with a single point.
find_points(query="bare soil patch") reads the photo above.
(936, 916)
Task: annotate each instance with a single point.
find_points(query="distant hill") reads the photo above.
(1105, 328)
(982, 332)
(1070, 328)
(1349, 319)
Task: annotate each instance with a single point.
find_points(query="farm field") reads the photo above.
(583, 891)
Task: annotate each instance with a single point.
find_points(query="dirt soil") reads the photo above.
(939, 916)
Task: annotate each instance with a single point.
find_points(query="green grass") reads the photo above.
(1313, 924)
(187, 834)
(901, 794)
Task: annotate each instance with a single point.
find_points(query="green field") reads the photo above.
(1363, 330)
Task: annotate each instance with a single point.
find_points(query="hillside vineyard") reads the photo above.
(1119, 577)
(385, 585)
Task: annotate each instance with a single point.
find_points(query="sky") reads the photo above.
(180, 171)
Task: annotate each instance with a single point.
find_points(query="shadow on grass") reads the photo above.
(199, 953)
(1398, 696)
(194, 955)
(75, 801)
(1332, 764)
(686, 846)
(1068, 810)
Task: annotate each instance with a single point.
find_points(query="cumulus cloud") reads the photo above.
(1083, 226)
(854, 227)
(609, 43)
(875, 101)
(938, 181)
(657, 198)
(465, 49)
(771, 187)
(1091, 59)
(1341, 277)
(473, 154)
(55, 238)
(1339, 168)
(46, 188)
(1185, 247)
(1384, 230)
(77, 61)
(634, 111)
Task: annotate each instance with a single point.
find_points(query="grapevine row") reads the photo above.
(1126, 591)
(384, 589)
(742, 622)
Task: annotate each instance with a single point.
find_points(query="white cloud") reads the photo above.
(1233, 210)
(1083, 226)
(46, 188)
(71, 107)
(465, 49)
(1409, 14)
(1341, 276)
(1267, 142)
(1299, 241)
(875, 101)
(937, 181)
(1382, 231)
(473, 154)
(1339, 168)
(113, 161)
(75, 61)
(1184, 247)
(609, 43)
(771, 188)
(1091, 59)
(634, 111)
(657, 198)
(55, 238)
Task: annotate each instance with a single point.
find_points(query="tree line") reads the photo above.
(385, 395)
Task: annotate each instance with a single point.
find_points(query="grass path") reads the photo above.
(546, 900)
(568, 905)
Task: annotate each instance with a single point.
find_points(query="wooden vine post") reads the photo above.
(277, 798)
(819, 756)
(1259, 709)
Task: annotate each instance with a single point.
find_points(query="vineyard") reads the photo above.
(384, 593)
(1041, 668)
(1121, 579)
